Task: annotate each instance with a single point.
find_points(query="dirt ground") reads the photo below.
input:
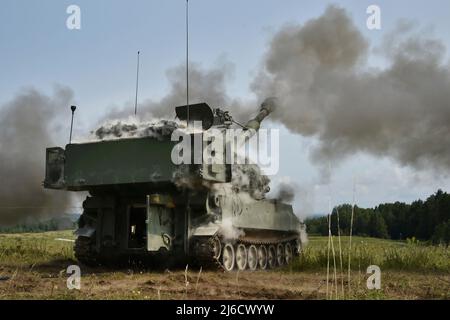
(34, 266)
(48, 281)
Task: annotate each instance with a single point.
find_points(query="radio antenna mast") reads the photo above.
(72, 108)
(187, 61)
(137, 84)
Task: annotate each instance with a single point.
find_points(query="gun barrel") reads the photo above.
(266, 108)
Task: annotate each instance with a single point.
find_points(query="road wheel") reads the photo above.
(272, 257)
(280, 254)
(241, 257)
(216, 247)
(228, 257)
(262, 257)
(288, 253)
(252, 258)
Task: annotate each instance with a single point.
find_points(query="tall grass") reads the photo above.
(19, 249)
(388, 255)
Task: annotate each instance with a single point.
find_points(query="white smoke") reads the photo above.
(135, 128)
(230, 232)
(303, 235)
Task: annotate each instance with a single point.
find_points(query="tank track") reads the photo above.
(84, 253)
(206, 255)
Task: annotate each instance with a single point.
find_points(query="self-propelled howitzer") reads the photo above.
(143, 206)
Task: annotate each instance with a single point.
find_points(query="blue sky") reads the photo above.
(98, 63)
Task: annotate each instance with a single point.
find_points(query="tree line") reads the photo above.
(54, 224)
(427, 220)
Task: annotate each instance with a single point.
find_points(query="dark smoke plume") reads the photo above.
(27, 127)
(204, 86)
(319, 72)
(286, 192)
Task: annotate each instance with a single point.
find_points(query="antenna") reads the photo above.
(137, 84)
(187, 60)
(72, 108)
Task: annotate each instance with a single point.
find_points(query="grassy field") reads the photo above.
(387, 254)
(34, 266)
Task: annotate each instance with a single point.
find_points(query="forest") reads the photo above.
(427, 220)
(66, 222)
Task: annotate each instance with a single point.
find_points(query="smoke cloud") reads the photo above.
(205, 85)
(286, 192)
(326, 90)
(131, 128)
(301, 194)
(27, 127)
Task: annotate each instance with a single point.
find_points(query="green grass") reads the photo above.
(387, 254)
(37, 248)
(34, 248)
